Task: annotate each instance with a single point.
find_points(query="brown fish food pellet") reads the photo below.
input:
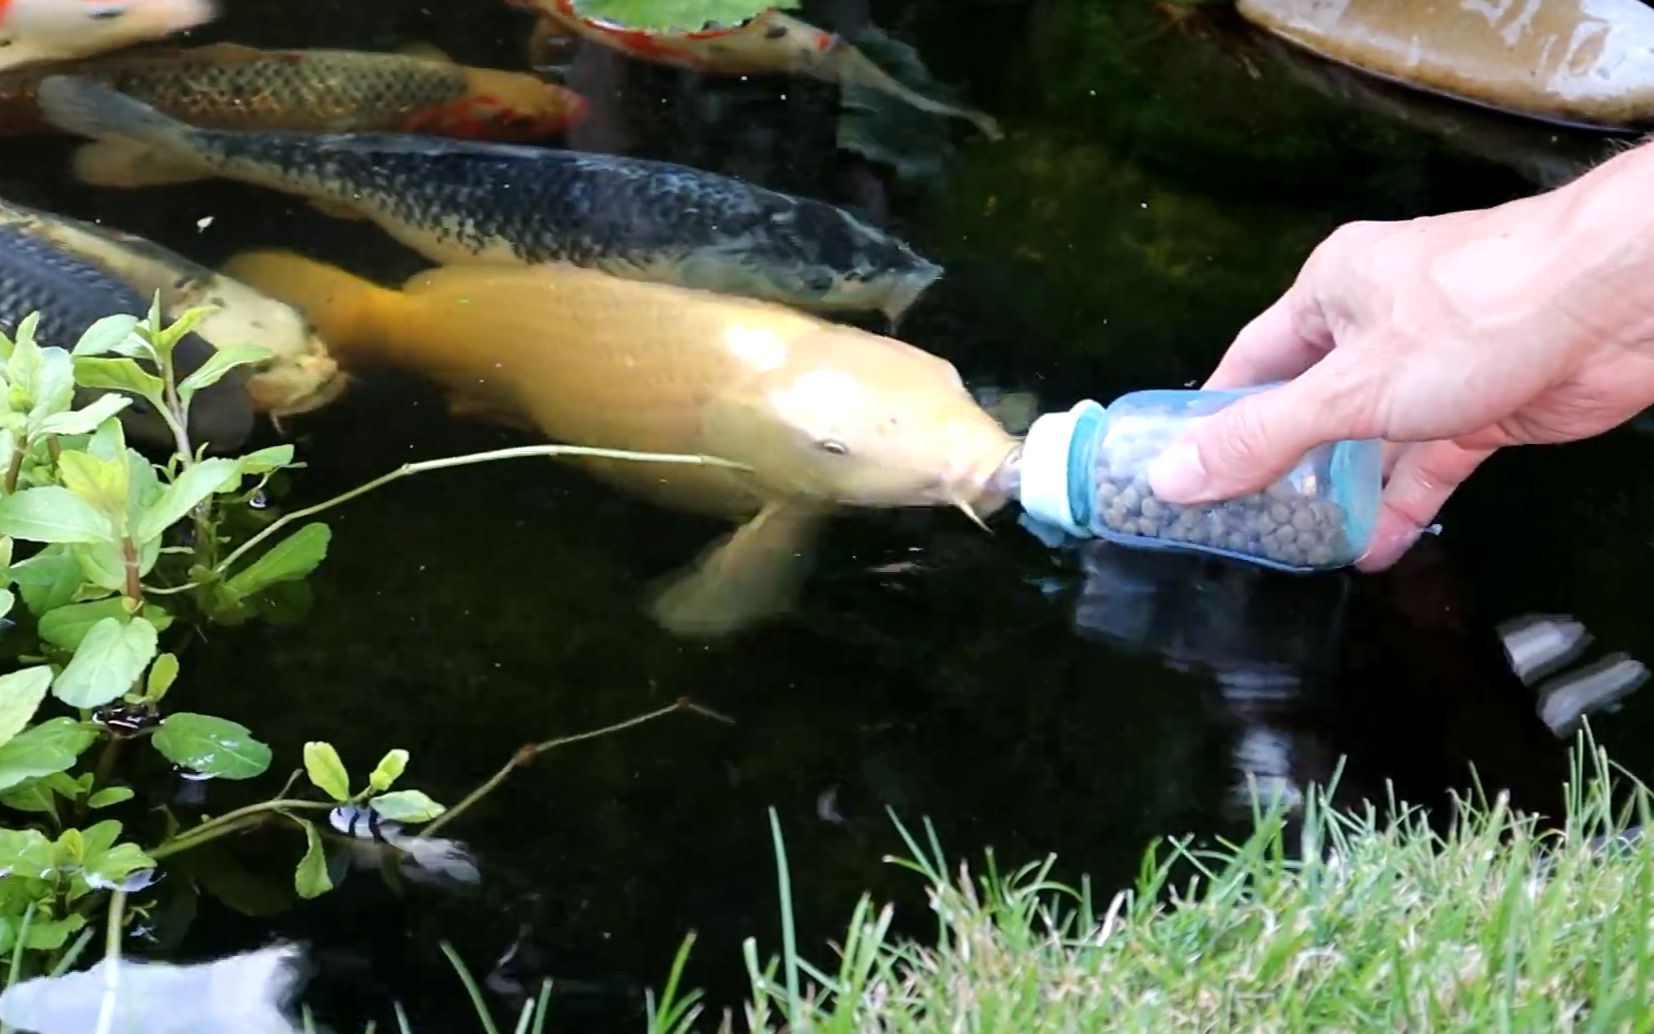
(1277, 524)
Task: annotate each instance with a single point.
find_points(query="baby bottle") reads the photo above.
(1086, 472)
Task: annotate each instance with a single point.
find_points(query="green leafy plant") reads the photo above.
(677, 14)
(115, 558)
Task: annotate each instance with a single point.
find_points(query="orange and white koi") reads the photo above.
(34, 32)
(771, 42)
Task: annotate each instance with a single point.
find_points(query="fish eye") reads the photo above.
(834, 446)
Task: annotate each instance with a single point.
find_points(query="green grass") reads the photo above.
(1322, 920)
(1332, 922)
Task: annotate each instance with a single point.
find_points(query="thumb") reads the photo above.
(1253, 441)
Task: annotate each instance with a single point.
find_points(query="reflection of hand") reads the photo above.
(1448, 337)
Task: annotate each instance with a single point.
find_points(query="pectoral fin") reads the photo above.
(123, 163)
(752, 574)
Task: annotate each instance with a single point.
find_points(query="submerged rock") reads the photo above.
(1588, 62)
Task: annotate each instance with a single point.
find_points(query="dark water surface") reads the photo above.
(1161, 182)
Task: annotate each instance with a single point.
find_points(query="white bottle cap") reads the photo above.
(1044, 467)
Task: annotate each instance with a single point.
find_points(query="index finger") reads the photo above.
(1280, 343)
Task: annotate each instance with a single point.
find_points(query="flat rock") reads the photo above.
(1587, 62)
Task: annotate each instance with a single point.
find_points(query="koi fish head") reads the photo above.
(850, 267)
(855, 419)
(504, 106)
(45, 28)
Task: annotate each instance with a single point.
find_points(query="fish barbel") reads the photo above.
(229, 86)
(34, 32)
(301, 375)
(820, 416)
(457, 202)
(70, 294)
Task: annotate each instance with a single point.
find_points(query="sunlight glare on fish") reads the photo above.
(757, 346)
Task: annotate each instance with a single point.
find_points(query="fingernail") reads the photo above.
(1177, 475)
(1391, 542)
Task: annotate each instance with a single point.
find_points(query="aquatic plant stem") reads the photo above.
(230, 821)
(469, 459)
(15, 471)
(112, 960)
(528, 753)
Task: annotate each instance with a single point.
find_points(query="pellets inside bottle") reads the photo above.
(1278, 524)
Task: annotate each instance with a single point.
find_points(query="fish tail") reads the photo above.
(345, 310)
(79, 105)
(867, 85)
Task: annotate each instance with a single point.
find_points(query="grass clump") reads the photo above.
(1322, 919)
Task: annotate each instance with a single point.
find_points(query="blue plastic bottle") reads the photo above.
(1086, 471)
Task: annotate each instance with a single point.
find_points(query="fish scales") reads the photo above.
(68, 293)
(272, 91)
(544, 205)
(459, 202)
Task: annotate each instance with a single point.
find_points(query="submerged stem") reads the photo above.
(112, 960)
(425, 466)
(528, 753)
(230, 821)
(16, 469)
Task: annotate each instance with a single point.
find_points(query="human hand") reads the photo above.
(1448, 337)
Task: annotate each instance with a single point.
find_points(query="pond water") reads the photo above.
(1161, 181)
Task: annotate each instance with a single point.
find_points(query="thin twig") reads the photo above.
(228, 822)
(112, 961)
(425, 466)
(529, 752)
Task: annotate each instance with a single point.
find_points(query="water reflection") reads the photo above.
(1388, 676)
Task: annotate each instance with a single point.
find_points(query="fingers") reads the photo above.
(1274, 346)
(1250, 443)
(1424, 477)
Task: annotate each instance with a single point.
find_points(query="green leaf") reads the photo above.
(25, 852)
(290, 559)
(326, 770)
(52, 514)
(406, 806)
(110, 796)
(675, 14)
(110, 866)
(265, 460)
(20, 695)
(48, 579)
(32, 795)
(104, 563)
(103, 483)
(169, 337)
(47, 748)
(180, 497)
(108, 662)
(161, 676)
(120, 375)
(54, 389)
(65, 627)
(211, 746)
(222, 362)
(310, 879)
(7, 602)
(84, 420)
(107, 335)
(389, 770)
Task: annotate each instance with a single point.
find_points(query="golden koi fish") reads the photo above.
(825, 416)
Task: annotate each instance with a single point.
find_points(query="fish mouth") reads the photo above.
(906, 288)
(301, 386)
